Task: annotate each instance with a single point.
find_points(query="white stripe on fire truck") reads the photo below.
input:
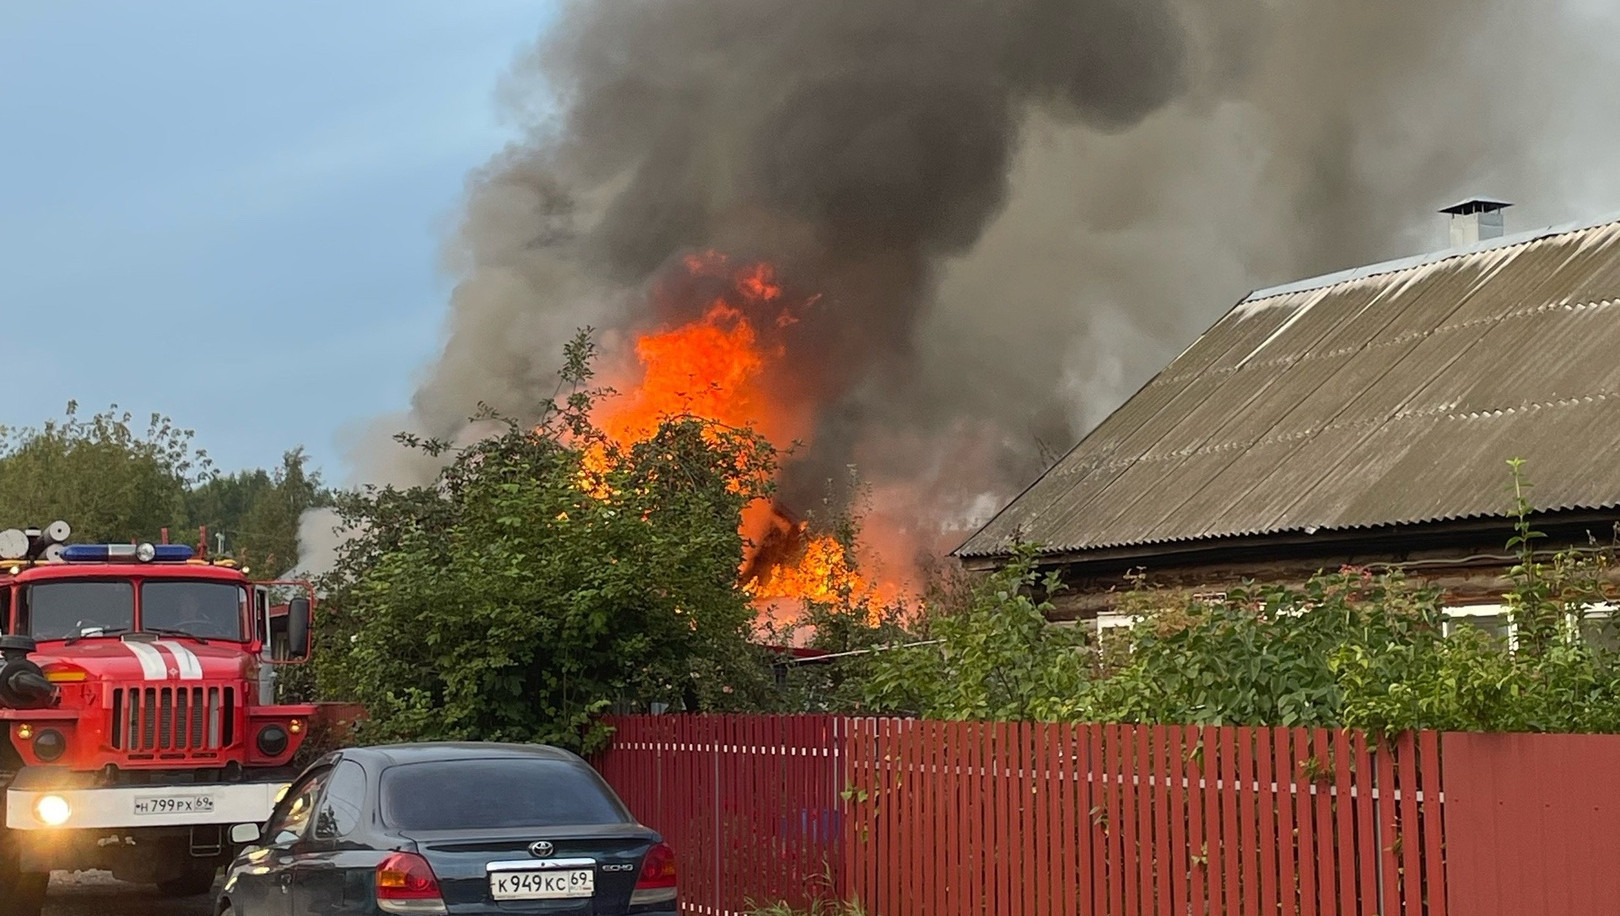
(153, 667)
(185, 660)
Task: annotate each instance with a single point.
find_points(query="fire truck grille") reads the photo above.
(174, 720)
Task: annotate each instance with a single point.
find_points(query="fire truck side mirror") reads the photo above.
(298, 628)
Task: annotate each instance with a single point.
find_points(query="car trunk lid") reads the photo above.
(462, 859)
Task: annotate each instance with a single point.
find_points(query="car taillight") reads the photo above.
(406, 884)
(657, 883)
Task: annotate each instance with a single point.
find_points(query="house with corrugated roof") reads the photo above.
(1364, 418)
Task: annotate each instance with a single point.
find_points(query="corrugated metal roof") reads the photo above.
(1385, 395)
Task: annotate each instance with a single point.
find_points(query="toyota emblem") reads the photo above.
(541, 849)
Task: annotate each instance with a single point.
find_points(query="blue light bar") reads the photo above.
(97, 553)
(106, 553)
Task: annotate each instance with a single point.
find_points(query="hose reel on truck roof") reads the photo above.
(34, 543)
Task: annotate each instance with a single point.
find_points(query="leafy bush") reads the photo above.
(990, 654)
(545, 577)
(1263, 655)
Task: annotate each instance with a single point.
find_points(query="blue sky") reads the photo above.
(232, 213)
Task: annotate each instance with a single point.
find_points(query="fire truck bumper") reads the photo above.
(140, 806)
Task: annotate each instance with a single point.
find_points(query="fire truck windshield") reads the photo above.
(210, 610)
(59, 610)
(84, 609)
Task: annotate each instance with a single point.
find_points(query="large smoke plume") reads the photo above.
(1014, 210)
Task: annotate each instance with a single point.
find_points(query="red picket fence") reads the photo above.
(1023, 819)
(751, 804)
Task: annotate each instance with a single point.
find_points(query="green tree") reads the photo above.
(109, 480)
(545, 576)
(258, 511)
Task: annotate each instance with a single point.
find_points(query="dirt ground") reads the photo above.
(97, 894)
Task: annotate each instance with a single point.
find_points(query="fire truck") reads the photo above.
(138, 720)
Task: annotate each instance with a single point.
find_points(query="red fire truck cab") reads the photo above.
(137, 715)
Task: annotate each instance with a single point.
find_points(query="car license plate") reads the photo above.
(174, 804)
(551, 884)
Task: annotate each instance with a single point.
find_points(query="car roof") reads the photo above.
(436, 751)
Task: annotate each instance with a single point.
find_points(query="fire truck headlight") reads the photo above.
(53, 810)
(49, 745)
(272, 740)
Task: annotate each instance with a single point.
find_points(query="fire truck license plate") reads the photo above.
(174, 804)
(542, 885)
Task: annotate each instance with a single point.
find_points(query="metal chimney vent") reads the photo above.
(1475, 220)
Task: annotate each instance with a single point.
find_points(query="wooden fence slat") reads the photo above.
(946, 842)
(900, 810)
(1045, 787)
(1232, 822)
(1434, 867)
(1248, 823)
(1177, 856)
(1283, 773)
(1303, 846)
(1267, 840)
(1142, 795)
(918, 828)
(764, 821)
(1122, 892)
(1388, 829)
(1344, 810)
(872, 837)
(894, 844)
(853, 885)
(907, 817)
(814, 863)
(1022, 819)
(1132, 862)
(1159, 794)
(1327, 897)
(939, 870)
(797, 825)
(1096, 825)
(1006, 823)
(1065, 808)
(733, 826)
(974, 808)
(1411, 835)
(820, 734)
(939, 865)
(1207, 841)
(750, 832)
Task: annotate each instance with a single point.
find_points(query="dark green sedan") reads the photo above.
(451, 829)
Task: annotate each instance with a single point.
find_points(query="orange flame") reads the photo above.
(718, 366)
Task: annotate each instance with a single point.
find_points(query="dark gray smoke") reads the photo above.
(1014, 210)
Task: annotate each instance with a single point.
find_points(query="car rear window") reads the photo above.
(492, 794)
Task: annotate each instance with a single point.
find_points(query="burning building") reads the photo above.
(928, 240)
